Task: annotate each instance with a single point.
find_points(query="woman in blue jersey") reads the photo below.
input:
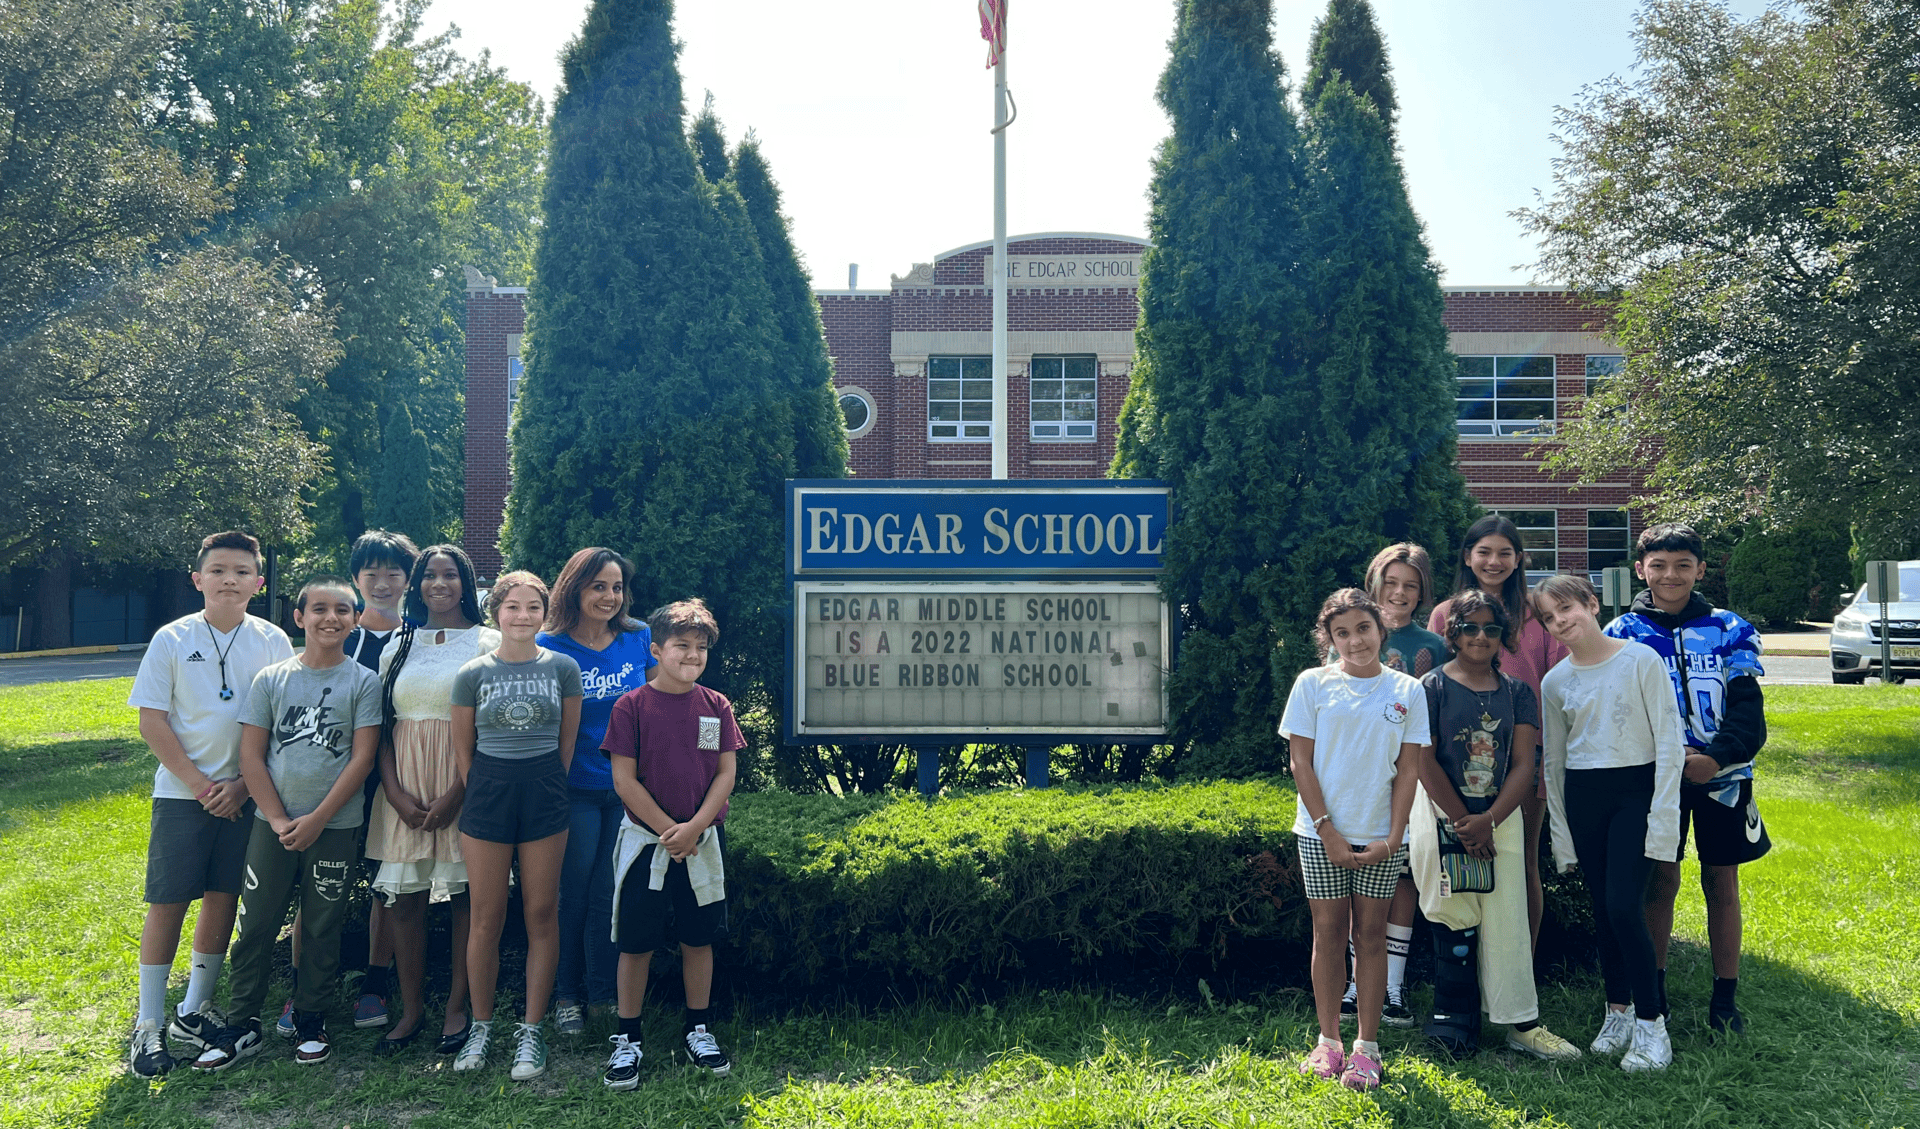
(589, 623)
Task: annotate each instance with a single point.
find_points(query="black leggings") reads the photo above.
(1607, 816)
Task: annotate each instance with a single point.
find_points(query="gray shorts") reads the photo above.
(190, 853)
(1325, 881)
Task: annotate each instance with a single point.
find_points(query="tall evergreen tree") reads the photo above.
(820, 434)
(1216, 406)
(651, 419)
(1378, 359)
(1347, 44)
(406, 461)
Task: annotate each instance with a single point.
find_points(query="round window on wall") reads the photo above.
(857, 410)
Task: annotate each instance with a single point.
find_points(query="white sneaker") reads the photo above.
(530, 1052)
(1652, 1049)
(1616, 1032)
(473, 1053)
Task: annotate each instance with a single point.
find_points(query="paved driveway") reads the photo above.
(69, 668)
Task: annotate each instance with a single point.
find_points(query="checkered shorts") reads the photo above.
(1322, 879)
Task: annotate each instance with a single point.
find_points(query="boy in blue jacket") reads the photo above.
(1713, 658)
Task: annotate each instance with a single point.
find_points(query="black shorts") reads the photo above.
(515, 801)
(190, 853)
(649, 918)
(1723, 836)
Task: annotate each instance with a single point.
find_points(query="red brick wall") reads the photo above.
(491, 317)
(859, 327)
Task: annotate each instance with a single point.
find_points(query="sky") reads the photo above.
(875, 114)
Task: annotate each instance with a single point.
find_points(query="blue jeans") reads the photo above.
(588, 957)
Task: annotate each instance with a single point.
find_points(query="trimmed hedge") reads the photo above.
(896, 887)
(893, 889)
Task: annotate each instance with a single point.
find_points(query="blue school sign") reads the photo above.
(1062, 528)
(939, 612)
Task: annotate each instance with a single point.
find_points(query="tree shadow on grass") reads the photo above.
(46, 776)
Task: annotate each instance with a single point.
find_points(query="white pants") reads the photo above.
(1506, 940)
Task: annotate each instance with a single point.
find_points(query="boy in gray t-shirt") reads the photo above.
(307, 741)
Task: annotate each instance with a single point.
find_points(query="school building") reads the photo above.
(912, 364)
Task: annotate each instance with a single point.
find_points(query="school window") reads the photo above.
(857, 411)
(1539, 536)
(1063, 396)
(1608, 539)
(1505, 396)
(1601, 369)
(959, 398)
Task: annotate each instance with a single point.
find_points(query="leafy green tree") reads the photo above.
(87, 189)
(652, 418)
(1749, 204)
(156, 411)
(1347, 44)
(380, 162)
(1217, 407)
(820, 433)
(147, 382)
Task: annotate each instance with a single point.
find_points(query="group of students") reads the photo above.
(1414, 749)
(439, 748)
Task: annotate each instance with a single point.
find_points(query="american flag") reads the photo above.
(993, 29)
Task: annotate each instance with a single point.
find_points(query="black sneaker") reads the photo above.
(1350, 1003)
(1394, 1013)
(705, 1051)
(623, 1065)
(147, 1054)
(310, 1042)
(199, 1027)
(1726, 1020)
(230, 1045)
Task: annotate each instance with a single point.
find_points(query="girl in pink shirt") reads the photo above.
(1493, 561)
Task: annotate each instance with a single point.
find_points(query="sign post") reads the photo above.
(941, 612)
(1883, 588)
(1616, 588)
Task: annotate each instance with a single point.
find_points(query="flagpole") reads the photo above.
(1001, 419)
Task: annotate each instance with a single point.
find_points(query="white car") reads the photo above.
(1853, 648)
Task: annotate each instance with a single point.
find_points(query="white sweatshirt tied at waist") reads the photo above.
(706, 869)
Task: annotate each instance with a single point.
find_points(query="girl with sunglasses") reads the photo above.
(1472, 783)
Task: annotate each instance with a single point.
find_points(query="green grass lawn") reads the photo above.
(1831, 985)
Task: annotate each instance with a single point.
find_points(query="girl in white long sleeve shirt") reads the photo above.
(1614, 755)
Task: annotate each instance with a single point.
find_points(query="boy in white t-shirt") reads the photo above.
(190, 690)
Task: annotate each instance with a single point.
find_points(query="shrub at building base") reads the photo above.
(835, 891)
(1792, 575)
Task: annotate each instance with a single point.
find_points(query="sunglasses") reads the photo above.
(1492, 631)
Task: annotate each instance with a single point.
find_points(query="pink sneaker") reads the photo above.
(1362, 1073)
(1324, 1062)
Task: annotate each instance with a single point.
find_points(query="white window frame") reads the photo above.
(1536, 551)
(865, 397)
(1496, 427)
(962, 430)
(1062, 430)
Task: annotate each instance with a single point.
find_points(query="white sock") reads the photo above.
(153, 994)
(1326, 1042)
(1368, 1047)
(202, 978)
(1399, 943)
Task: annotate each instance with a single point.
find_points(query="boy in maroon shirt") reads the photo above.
(672, 744)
